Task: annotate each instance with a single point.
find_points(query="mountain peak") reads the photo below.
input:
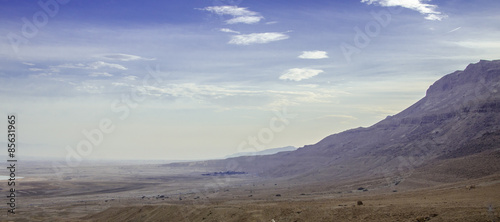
(484, 72)
(458, 116)
(477, 83)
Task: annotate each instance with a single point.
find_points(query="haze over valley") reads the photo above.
(232, 110)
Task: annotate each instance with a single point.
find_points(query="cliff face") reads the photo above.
(460, 109)
(462, 89)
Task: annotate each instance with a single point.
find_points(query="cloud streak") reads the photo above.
(98, 74)
(229, 10)
(101, 69)
(123, 57)
(100, 64)
(260, 97)
(93, 65)
(229, 30)
(298, 74)
(240, 15)
(313, 55)
(430, 11)
(244, 19)
(454, 30)
(257, 38)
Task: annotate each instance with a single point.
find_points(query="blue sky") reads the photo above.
(197, 79)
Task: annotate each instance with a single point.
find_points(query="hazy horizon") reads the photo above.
(184, 80)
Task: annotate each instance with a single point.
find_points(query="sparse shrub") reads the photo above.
(470, 187)
(422, 219)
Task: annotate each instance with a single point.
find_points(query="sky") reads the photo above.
(201, 79)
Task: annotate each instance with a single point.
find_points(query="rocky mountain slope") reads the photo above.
(263, 152)
(459, 116)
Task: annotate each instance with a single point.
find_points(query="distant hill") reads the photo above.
(263, 152)
(458, 117)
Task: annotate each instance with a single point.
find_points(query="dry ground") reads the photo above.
(133, 193)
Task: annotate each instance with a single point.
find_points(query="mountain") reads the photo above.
(263, 152)
(458, 117)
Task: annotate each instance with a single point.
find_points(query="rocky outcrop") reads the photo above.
(460, 115)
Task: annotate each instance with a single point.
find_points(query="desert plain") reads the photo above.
(164, 192)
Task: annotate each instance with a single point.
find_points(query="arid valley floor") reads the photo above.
(159, 192)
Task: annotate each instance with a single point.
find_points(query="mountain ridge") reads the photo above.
(458, 108)
(262, 152)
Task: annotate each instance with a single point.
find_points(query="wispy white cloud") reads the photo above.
(93, 65)
(97, 74)
(124, 57)
(257, 38)
(313, 55)
(90, 88)
(230, 10)
(70, 66)
(235, 94)
(99, 68)
(228, 30)
(28, 64)
(100, 64)
(130, 78)
(245, 19)
(44, 74)
(435, 17)
(35, 69)
(298, 74)
(119, 84)
(430, 11)
(454, 30)
(241, 15)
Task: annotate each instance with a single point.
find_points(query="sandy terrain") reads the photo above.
(162, 193)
